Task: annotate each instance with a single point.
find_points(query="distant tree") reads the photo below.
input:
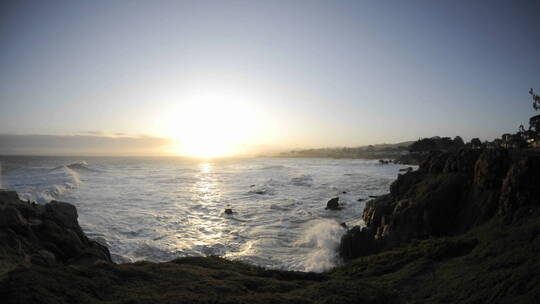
(424, 144)
(458, 141)
(445, 143)
(536, 100)
(476, 143)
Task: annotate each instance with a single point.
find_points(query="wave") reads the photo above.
(262, 190)
(42, 186)
(303, 180)
(78, 166)
(323, 237)
(274, 167)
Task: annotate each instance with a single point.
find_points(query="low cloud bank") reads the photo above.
(11, 144)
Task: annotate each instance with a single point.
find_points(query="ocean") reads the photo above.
(158, 209)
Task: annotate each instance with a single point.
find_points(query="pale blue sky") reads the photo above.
(309, 73)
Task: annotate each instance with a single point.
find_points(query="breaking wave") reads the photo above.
(323, 238)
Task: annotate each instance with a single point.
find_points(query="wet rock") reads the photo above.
(333, 204)
(63, 213)
(358, 242)
(228, 211)
(44, 234)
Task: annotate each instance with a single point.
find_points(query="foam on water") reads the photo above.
(158, 209)
(43, 185)
(322, 237)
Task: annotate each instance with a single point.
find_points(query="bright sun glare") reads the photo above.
(212, 126)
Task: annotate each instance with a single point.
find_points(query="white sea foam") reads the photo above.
(158, 209)
(322, 237)
(44, 185)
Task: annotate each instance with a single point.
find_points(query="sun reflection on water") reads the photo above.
(207, 218)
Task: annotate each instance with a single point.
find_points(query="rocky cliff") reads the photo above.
(448, 195)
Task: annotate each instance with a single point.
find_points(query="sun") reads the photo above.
(209, 126)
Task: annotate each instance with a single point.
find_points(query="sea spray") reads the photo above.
(323, 237)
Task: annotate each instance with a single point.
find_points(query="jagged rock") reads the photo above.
(450, 193)
(45, 234)
(333, 204)
(521, 187)
(490, 168)
(63, 213)
(349, 246)
(462, 161)
(435, 162)
(404, 182)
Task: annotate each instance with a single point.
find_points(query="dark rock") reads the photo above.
(408, 169)
(344, 225)
(333, 204)
(63, 213)
(358, 242)
(344, 192)
(44, 234)
(360, 200)
(228, 211)
(462, 161)
(449, 194)
(521, 187)
(491, 168)
(404, 183)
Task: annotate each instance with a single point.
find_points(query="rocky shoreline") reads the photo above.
(463, 228)
(448, 195)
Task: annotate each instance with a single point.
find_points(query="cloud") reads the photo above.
(36, 144)
(96, 133)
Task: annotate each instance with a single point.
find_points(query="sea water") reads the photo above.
(158, 209)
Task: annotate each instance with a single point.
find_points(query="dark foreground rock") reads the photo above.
(47, 235)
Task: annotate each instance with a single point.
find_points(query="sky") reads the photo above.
(228, 77)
